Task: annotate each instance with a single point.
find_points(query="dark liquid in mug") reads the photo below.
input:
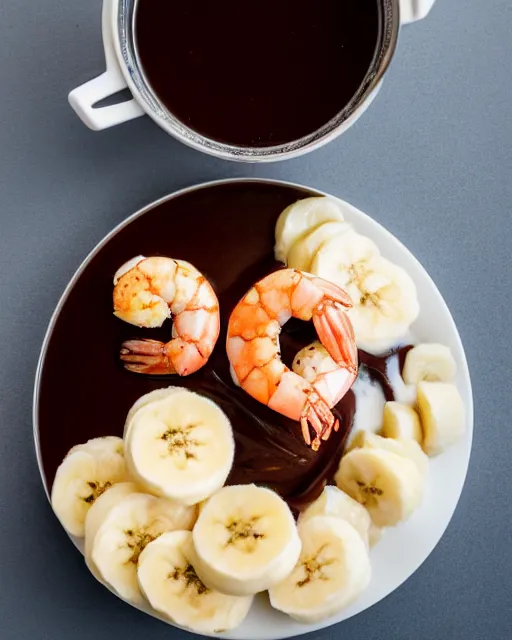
(256, 73)
(227, 231)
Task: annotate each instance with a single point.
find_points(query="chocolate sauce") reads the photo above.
(377, 367)
(227, 231)
(256, 73)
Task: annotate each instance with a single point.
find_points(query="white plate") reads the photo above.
(404, 548)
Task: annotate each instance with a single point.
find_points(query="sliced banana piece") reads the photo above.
(301, 218)
(245, 540)
(145, 400)
(388, 485)
(130, 525)
(401, 422)
(312, 361)
(337, 504)
(84, 474)
(386, 306)
(408, 449)
(200, 506)
(303, 252)
(180, 447)
(172, 587)
(375, 535)
(183, 517)
(430, 362)
(342, 255)
(442, 414)
(97, 514)
(105, 446)
(332, 571)
(384, 295)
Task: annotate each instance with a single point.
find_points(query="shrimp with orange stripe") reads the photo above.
(253, 348)
(147, 292)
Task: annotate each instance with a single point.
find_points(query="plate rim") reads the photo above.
(205, 185)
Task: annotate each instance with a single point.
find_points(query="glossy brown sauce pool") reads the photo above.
(227, 232)
(256, 73)
(377, 368)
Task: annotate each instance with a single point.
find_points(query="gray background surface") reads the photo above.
(431, 160)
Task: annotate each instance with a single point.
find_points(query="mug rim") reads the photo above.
(124, 41)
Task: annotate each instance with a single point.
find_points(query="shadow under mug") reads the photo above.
(124, 71)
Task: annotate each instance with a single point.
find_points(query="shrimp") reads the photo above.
(253, 348)
(148, 291)
(314, 364)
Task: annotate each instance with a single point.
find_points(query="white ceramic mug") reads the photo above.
(124, 72)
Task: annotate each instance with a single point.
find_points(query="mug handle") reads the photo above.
(413, 10)
(83, 98)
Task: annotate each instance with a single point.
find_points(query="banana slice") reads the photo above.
(312, 361)
(386, 306)
(430, 362)
(200, 506)
(332, 571)
(245, 540)
(302, 217)
(384, 295)
(145, 400)
(85, 473)
(388, 485)
(183, 517)
(180, 447)
(401, 422)
(168, 580)
(374, 535)
(442, 415)
(105, 446)
(408, 449)
(130, 525)
(337, 504)
(302, 253)
(97, 514)
(342, 254)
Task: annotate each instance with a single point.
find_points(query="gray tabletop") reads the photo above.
(431, 160)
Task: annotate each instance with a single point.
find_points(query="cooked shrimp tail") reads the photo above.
(318, 416)
(337, 335)
(146, 356)
(159, 358)
(333, 293)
